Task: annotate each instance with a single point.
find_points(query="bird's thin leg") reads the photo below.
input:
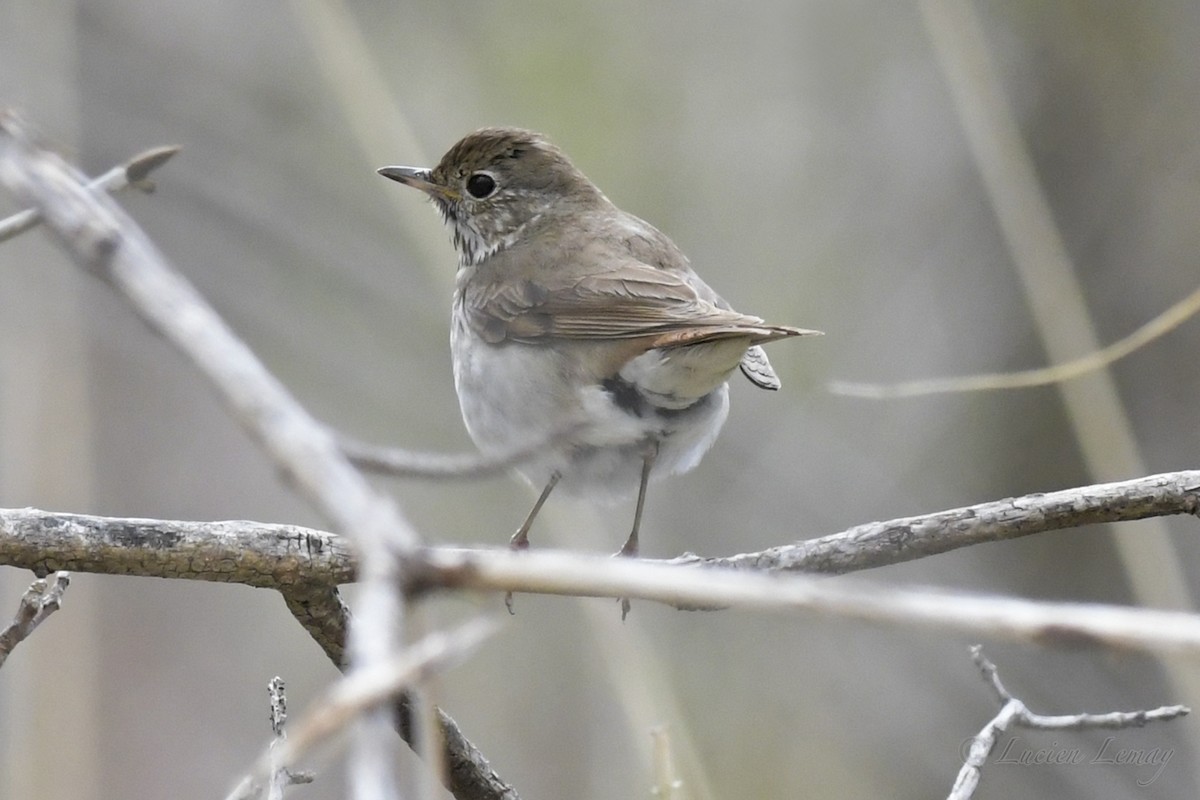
(630, 548)
(520, 539)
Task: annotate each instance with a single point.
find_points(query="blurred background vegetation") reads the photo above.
(811, 159)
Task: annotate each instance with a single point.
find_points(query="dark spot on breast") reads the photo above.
(626, 396)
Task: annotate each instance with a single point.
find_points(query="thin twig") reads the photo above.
(276, 690)
(279, 775)
(1014, 713)
(40, 600)
(133, 174)
(402, 463)
(1161, 325)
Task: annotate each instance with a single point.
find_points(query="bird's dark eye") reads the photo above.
(480, 185)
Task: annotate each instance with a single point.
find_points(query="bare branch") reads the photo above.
(313, 562)
(40, 600)
(577, 575)
(878, 544)
(276, 690)
(104, 241)
(279, 556)
(280, 776)
(307, 564)
(1014, 713)
(134, 174)
(264, 556)
(277, 774)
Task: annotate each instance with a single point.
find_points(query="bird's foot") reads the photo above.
(519, 543)
(628, 550)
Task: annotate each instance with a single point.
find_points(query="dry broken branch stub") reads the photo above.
(41, 599)
(133, 174)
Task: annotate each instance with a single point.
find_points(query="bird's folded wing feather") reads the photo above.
(628, 300)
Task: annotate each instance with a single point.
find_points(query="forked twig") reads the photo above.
(1014, 713)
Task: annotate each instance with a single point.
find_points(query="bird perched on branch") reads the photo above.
(571, 315)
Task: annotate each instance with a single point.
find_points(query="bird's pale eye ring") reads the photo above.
(480, 185)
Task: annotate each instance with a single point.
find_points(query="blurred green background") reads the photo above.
(811, 159)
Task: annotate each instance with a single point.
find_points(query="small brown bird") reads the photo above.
(571, 315)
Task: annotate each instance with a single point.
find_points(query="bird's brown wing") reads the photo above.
(628, 300)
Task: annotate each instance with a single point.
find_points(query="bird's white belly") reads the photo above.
(513, 394)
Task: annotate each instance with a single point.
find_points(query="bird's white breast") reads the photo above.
(513, 394)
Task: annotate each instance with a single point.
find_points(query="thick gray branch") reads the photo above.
(263, 556)
(278, 556)
(578, 574)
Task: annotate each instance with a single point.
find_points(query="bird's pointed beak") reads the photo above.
(418, 178)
